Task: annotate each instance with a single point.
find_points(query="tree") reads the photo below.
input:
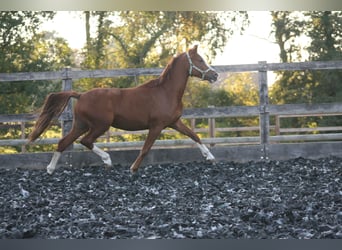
(44, 52)
(243, 87)
(243, 90)
(287, 27)
(129, 39)
(324, 32)
(290, 86)
(95, 48)
(16, 29)
(200, 94)
(161, 34)
(22, 49)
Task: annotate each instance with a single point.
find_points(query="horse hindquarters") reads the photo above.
(54, 105)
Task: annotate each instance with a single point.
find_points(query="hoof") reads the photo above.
(133, 170)
(107, 161)
(211, 159)
(108, 167)
(50, 171)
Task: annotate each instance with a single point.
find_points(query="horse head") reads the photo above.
(199, 68)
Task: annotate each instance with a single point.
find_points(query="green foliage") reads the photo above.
(134, 39)
(23, 49)
(323, 28)
(288, 27)
(244, 88)
(168, 33)
(236, 90)
(43, 53)
(326, 34)
(243, 91)
(16, 30)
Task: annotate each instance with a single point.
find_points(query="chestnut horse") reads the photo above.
(154, 105)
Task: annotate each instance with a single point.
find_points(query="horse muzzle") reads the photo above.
(211, 76)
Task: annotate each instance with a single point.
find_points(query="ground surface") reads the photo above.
(291, 199)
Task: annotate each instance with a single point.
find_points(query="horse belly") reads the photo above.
(130, 123)
(134, 109)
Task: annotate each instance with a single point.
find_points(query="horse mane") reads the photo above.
(165, 75)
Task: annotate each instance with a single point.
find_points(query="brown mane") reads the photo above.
(165, 75)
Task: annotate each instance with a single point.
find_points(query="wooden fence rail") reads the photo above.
(74, 74)
(264, 110)
(279, 111)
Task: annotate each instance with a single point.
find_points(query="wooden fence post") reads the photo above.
(264, 118)
(22, 127)
(193, 123)
(67, 115)
(277, 125)
(212, 129)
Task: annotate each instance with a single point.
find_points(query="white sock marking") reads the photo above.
(104, 156)
(52, 166)
(205, 152)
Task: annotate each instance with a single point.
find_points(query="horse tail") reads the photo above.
(54, 105)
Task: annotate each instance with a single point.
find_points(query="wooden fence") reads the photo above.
(264, 110)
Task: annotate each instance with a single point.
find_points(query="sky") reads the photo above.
(69, 25)
(255, 44)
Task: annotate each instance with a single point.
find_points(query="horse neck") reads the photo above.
(178, 80)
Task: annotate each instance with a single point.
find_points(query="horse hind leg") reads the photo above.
(65, 142)
(104, 156)
(88, 141)
(52, 165)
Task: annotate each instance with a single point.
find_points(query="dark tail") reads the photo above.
(53, 106)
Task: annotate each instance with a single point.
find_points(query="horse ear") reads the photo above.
(194, 49)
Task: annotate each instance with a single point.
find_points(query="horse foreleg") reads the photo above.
(180, 127)
(151, 137)
(205, 152)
